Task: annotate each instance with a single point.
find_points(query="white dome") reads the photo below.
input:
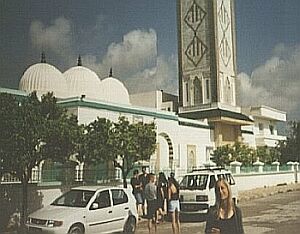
(43, 78)
(113, 90)
(82, 81)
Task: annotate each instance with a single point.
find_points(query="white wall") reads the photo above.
(181, 136)
(166, 123)
(251, 181)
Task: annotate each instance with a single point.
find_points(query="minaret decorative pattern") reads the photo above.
(224, 19)
(196, 49)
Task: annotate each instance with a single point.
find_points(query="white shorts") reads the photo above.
(174, 205)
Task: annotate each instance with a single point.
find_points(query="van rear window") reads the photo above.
(227, 177)
(194, 182)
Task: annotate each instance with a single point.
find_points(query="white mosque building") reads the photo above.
(189, 127)
(182, 143)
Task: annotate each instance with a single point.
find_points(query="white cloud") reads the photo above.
(134, 60)
(136, 52)
(275, 83)
(56, 38)
(163, 76)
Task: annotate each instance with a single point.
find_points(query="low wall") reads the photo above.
(49, 195)
(249, 181)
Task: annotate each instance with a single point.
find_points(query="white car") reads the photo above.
(197, 189)
(87, 209)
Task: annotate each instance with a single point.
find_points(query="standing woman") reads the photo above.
(225, 217)
(174, 206)
(162, 192)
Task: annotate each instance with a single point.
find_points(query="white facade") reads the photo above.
(263, 132)
(181, 143)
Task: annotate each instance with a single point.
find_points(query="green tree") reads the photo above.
(290, 149)
(97, 144)
(267, 154)
(32, 131)
(224, 155)
(132, 142)
(221, 155)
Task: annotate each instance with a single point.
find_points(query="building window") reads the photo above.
(271, 127)
(260, 127)
(228, 92)
(209, 152)
(137, 119)
(198, 95)
(207, 89)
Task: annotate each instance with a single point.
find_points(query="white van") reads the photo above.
(197, 189)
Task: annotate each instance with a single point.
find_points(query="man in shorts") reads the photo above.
(151, 198)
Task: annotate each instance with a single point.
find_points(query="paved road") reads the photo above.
(277, 214)
(273, 215)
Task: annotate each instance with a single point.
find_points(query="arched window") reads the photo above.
(198, 93)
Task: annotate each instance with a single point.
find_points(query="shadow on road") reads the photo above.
(185, 218)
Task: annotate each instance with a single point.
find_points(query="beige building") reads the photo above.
(264, 131)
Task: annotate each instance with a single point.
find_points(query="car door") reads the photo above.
(99, 215)
(120, 206)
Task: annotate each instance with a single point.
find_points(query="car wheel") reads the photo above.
(130, 225)
(76, 229)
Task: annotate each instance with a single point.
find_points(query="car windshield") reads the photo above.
(194, 182)
(74, 198)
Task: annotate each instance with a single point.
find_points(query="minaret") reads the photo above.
(207, 62)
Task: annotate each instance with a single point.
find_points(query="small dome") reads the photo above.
(82, 81)
(43, 78)
(113, 90)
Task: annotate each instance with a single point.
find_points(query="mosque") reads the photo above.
(190, 126)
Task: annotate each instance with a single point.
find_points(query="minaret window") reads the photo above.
(228, 93)
(198, 94)
(207, 89)
(187, 91)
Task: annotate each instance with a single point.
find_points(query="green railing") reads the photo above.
(266, 168)
(52, 175)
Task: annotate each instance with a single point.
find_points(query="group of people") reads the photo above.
(223, 218)
(156, 197)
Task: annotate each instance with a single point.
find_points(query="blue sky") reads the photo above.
(105, 32)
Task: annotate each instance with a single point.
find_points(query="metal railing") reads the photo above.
(99, 175)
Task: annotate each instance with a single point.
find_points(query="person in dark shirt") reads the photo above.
(144, 179)
(225, 217)
(137, 191)
(162, 194)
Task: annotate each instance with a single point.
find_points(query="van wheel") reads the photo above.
(76, 229)
(130, 225)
